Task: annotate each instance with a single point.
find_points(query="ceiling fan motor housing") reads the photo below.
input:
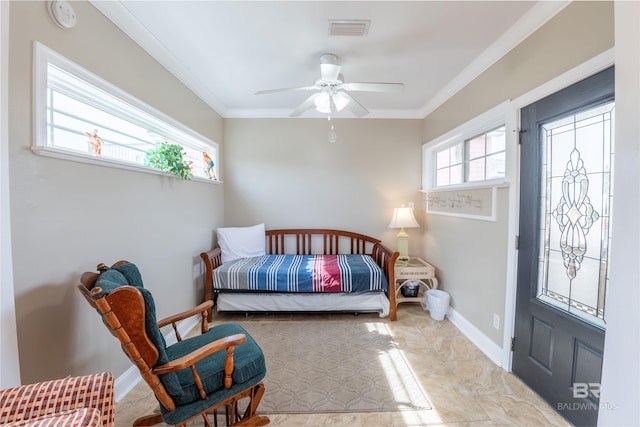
(329, 58)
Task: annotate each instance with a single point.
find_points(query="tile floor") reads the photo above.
(464, 387)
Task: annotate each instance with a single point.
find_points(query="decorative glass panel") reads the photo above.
(576, 208)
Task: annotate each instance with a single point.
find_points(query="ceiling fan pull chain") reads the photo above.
(333, 137)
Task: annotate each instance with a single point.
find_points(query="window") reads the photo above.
(81, 117)
(473, 155)
(479, 158)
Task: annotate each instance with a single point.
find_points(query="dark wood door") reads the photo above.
(565, 198)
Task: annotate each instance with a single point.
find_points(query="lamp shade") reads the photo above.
(403, 218)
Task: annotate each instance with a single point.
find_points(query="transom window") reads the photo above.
(80, 116)
(479, 158)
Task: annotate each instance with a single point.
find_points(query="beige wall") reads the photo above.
(285, 173)
(471, 255)
(69, 216)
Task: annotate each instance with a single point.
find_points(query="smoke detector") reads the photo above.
(62, 13)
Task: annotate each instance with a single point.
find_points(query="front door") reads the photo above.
(565, 209)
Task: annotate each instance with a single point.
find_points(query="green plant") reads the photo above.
(169, 158)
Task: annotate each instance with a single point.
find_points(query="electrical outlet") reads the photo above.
(496, 320)
(411, 205)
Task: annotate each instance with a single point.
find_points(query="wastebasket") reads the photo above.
(410, 289)
(437, 303)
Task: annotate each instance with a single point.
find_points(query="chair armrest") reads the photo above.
(195, 356)
(190, 360)
(202, 309)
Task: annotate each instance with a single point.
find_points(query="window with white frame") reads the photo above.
(81, 117)
(479, 158)
(474, 154)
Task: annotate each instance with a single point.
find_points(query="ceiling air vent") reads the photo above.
(349, 27)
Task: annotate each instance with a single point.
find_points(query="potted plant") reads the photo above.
(169, 158)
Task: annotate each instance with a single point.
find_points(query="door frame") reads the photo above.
(582, 71)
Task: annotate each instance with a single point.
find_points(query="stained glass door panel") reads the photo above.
(577, 156)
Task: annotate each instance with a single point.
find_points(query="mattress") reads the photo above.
(301, 274)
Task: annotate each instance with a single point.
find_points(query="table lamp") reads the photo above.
(403, 218)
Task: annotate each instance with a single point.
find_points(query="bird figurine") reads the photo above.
(209, 166)
(95, 142)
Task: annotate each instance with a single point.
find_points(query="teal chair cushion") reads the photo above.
(129, 275)
(249, 363)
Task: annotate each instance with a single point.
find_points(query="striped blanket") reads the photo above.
(301, 273)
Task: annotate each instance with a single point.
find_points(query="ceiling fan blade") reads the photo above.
(329, 72)
(374, 87)
(286, 89)
(305, 105)
(354, 106)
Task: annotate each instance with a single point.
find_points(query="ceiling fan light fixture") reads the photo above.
(324, 100)
(322, 103)
(332, 93)
(340, 101)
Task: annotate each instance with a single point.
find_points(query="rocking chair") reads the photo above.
(221, 368)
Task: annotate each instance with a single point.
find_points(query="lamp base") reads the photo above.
(403, 245)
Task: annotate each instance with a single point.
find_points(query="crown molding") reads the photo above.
(285, 113)
(117, 13)
(530, 22)
(537, 16)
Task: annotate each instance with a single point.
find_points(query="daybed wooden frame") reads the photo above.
(315, 241)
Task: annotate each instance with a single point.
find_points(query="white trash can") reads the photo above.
(437, 303)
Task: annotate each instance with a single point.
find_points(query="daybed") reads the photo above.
(309, 270)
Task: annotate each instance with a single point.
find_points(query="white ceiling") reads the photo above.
(225, 51)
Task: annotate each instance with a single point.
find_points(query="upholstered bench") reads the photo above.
(75, 401)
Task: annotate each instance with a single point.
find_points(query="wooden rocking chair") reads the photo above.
(221, 368)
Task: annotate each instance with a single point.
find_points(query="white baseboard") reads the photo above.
(124, 383)
(484, 343)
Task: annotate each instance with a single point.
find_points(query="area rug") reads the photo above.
(334, 366)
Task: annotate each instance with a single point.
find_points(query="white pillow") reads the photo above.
(241, 242)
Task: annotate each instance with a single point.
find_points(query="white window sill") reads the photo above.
(497, 183)
(66, 154)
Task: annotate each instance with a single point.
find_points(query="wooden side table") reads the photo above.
(414, 270)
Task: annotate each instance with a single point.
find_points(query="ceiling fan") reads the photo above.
(331, 91)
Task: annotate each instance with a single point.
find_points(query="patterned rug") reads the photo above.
(333, 366)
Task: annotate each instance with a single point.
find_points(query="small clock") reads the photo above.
(62, 13)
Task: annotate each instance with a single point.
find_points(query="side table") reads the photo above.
(414, 270)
